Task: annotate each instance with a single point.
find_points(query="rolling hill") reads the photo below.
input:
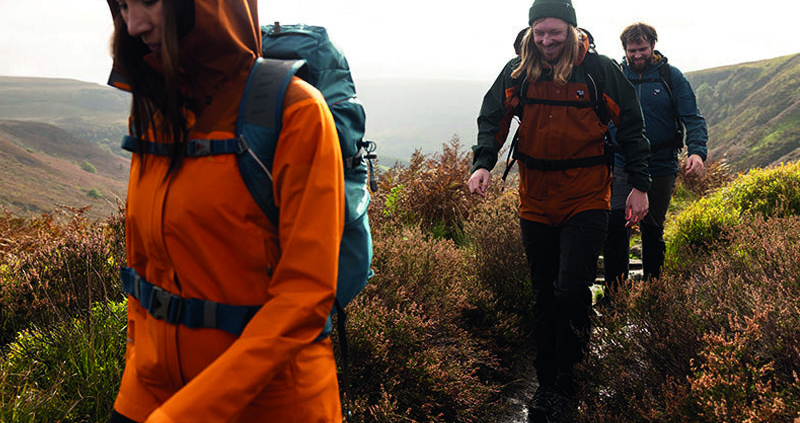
(43, 166)
(59, 138)
(753, 111)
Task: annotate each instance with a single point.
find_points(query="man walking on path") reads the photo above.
(565, 180)
(670, 111)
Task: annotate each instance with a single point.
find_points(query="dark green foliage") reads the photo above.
(95, 194)
(85, 165)
(771, 192)
(68, 371)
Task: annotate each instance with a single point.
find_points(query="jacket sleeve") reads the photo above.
(689, 113)
(309, 189)
(626, 114)
(494, 120)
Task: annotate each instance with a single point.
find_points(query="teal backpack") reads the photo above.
(305, 51)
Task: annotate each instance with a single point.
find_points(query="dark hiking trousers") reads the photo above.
(563, 264)
(119, 418)
(616, 253)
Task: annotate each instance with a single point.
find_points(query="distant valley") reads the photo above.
(59, 138)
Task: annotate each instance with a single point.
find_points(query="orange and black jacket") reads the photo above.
(198, 233)
(559, 133)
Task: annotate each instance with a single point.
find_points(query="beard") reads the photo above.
(641, 65)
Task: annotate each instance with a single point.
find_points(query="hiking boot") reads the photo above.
(541, 405)
(559, 407)
(549, 405)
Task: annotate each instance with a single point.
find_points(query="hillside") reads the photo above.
(404, 115)
(42, 166)
(93, 112)
(48, 127)
(753, 111)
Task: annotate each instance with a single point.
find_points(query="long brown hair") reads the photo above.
(158, 104)
(532, 64)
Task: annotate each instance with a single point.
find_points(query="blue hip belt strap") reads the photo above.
(191, 312)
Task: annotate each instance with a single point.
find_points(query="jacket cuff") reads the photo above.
(485, 161)
(640, 183)
(158, 416)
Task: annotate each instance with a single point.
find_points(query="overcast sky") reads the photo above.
(418, 38)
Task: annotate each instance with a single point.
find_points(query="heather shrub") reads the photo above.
(499, 257)
(716, 174)
(430, 192)
(719, 345)
(411, 357)
(50, 270)
(66, 372)
(768, 192)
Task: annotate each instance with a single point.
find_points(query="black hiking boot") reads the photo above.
(558, 407)
(541, 405)
(549, 405)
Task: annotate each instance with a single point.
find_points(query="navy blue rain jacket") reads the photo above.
(660, 116)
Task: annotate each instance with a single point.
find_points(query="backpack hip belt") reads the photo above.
(190, 312)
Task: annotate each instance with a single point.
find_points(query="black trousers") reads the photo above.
(119, 418)
(616, 252)
(563, 264)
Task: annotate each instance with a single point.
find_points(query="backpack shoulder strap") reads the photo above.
(665, 74)
(259, 125)
(595, 79)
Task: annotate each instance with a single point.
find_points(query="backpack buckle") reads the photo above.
(199, 148)
(242, 144)
(161, 305)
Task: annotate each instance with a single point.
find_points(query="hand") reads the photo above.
(694, 165)
(479, 181)
(636, 207)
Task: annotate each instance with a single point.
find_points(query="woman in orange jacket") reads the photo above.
(195, 234)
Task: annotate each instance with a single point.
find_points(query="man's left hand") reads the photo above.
(694, 165)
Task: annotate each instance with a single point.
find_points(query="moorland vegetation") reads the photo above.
(440, 333)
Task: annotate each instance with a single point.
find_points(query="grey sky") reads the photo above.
(416, 38)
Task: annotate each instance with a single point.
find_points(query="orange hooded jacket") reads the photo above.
(199, 234)
(554, 132)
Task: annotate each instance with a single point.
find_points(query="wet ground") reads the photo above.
(518, 403)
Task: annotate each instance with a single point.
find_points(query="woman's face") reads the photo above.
(144, 19)
(549, 34)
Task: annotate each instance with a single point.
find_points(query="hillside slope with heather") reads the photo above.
(43, 166)
(753, 111)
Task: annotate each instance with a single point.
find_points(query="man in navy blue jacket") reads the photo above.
(670, 111)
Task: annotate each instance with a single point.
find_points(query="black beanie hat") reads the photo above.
(561, 9)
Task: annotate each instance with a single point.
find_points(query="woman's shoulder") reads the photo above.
(299, 90)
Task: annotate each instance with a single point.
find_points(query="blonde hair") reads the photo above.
(532, 64)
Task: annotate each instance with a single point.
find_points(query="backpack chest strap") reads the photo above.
(194, 148)
(564, 103)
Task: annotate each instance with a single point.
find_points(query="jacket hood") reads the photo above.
(583, 47)
(217, 45)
